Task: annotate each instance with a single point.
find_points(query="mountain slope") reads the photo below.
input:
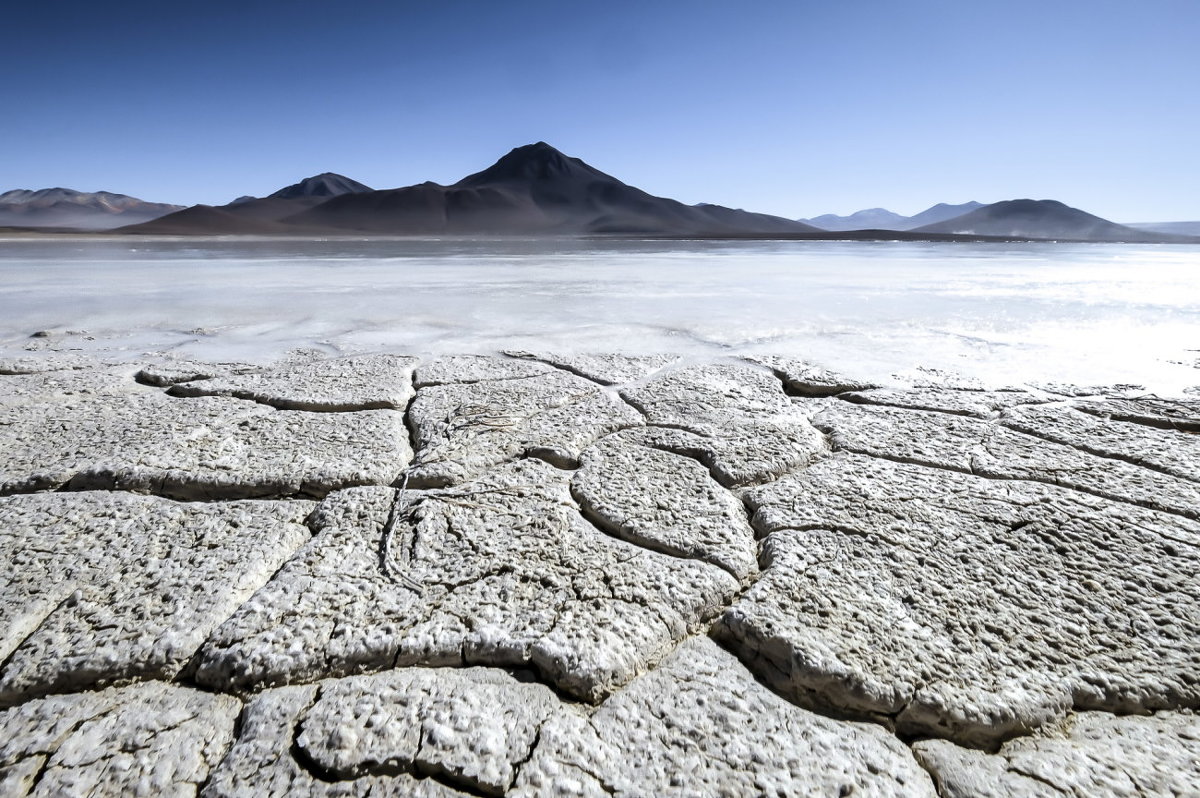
(250, 215)
(209, 220)
(1026, 218)
(64, 207)
(532, 189)
(940, 213)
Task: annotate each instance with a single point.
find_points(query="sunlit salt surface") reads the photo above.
(1007, 314)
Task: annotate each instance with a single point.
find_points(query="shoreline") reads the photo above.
(848, 236)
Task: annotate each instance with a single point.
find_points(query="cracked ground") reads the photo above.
(543, 574)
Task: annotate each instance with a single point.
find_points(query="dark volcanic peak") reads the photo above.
(1027, 218)
(326, 184)
(535, 162)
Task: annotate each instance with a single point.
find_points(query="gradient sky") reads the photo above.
(795, 108)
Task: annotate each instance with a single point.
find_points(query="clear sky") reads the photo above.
(796, 108)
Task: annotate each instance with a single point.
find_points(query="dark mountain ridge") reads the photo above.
(533, 189)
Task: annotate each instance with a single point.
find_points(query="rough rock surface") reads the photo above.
(469, 727)
(1077, 391)
(66, 385)
(206, 448)
(1182, 415)
(926, 377)
(605, 369)
(983, 404)
(369, 382)
(735, 419)
(148, 739)
(165, 373)
(967, 608)
(460, 369)
(462, 429)
(1169, 451)
(41, 364)
(988, 449)
(264, 760)
(524, 607)
(700, 724)
(502, 571)
(808, 379)
(105, 587)
(1097, 754)
(664, 501)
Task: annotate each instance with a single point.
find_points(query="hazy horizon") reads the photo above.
(794, 109)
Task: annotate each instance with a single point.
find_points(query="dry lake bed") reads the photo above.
(300, 551)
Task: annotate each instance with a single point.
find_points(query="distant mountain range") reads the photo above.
(537, 190)
(66, 208)
(883, 219)
(1020, 218)
(534, 189)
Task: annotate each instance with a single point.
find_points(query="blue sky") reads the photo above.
(795, 108)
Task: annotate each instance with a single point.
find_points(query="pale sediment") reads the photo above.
(561, 574)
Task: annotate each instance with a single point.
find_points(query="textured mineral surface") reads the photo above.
(591, 574)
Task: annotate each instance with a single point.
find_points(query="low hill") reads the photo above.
(1046, 219)
(67, 208)
(208, 220)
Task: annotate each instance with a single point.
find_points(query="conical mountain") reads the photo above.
(1049, 219)
(326, 184)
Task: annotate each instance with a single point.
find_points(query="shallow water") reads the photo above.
(1005, 313)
